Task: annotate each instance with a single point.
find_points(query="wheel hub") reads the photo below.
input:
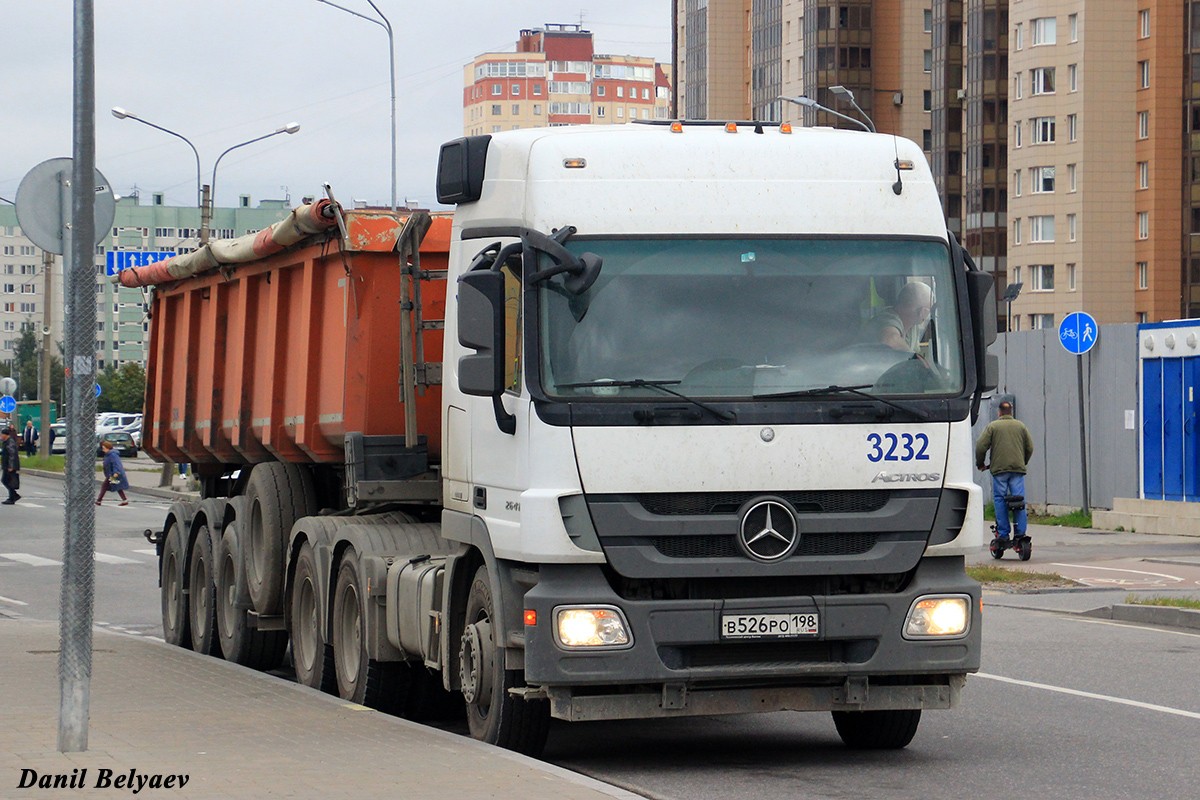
(476, 656)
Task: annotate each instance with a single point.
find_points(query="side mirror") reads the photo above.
(481, 328)
(981, 293)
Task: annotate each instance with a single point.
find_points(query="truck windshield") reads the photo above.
(740, 318)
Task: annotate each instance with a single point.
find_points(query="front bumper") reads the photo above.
(677, 663)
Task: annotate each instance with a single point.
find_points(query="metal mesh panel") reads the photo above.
(814, 502)
(848, 544)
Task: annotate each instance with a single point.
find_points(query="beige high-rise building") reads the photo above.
(556, 78)
(1096, 109)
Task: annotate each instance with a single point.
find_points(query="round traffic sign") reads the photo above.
(40, 201)
(8, 405)
(1078, 332)
(97, 390)
(8, 385)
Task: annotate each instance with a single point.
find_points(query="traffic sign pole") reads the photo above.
(1078, 333)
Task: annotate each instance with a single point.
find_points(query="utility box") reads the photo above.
(1169, 364)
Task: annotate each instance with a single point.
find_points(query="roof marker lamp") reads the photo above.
(590, 627)
(938, 617)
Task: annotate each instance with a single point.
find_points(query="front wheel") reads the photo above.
(877, 730)
(494, 715)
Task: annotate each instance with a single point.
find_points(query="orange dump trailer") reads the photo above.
(281, 357)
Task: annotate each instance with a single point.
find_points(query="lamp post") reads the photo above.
(206, 205)
(808, 102)
(842, 91)
(387, 26)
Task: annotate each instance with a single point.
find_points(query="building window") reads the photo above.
(620, 112)
(1044, 30)
(1018, 39)
(1017, 134)
(1142, 318)
(516, 110)
(927, 100)
(1041, 228)
(1041, 180)
(646, 94)
(1143, 74)
(1143, 168)
(1143, 274)
(1072, 127)
(1073, 77)
(1043, 130)
(927, 140)
(1073, 26)
(496, 110)
(1041, 80)
(1016, 183)
(1143, 223)
(537, 109)
(1144, 24)
(1143, 122)
(1040, 322)
(601, 111)
(1071, 229)
(620, 91)
(1017, 85)
(928, 26)
(516, 90)
(537, 89)
(928, 56)
(1070, 277)
(600, 91)
(1041, 277)
(497, 90)
(1017, 240)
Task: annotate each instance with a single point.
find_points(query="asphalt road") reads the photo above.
(1066, 706)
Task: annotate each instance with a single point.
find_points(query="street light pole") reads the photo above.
(808, 102)
(290, 128)
(121, 113)
(387, 26)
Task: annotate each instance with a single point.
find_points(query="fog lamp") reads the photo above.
(593, 626)
(936, 617)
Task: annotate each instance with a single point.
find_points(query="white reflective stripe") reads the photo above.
(107, 559)
(4, 599)
(1179, 712)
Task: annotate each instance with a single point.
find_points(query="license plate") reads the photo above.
(769, 626)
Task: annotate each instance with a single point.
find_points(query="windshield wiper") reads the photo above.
(855, 390)
(724, 416)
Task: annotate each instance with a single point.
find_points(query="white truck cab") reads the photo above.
(707, 425)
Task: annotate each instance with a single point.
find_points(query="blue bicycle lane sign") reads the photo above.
(1078, 332)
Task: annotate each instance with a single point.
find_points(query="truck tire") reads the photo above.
(312, 658)
(382, 685)
(877, 730)
(493, 714)
(278, 495)
(241, 644)
(202, 606)
(176, 629)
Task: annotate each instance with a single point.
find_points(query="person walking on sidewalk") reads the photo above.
(1011, 446)
(114, 474)
(10, 464)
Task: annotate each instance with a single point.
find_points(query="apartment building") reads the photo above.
(555, 77)
(1056, 133)
(122, 327)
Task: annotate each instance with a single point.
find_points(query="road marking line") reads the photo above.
(147, 552)
(1115, 569)
(31, 505)
(4, 599)
(107, 559)
(31, 560)
(1135, 627)
(1092, 696)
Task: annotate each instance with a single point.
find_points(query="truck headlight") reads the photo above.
(938, 616)
(590, 626)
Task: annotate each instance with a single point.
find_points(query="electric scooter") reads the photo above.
(1021, 545)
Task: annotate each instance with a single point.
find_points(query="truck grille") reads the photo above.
(779, 655)
(848, 544)
(814, 502)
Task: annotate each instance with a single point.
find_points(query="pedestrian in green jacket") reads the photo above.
(1011, 447)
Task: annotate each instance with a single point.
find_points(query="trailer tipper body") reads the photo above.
(669, 459)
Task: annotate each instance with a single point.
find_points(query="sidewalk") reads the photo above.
(237, 733)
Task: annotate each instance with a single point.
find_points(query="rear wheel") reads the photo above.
(240, 643)
(308, 643)
(361, 679)
(997, 549)
(1025, 548)
(176, 629)
(877, 730)
(494, 715)
(278, 495)
(202, 607)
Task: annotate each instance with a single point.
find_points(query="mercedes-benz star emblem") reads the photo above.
(769, 531)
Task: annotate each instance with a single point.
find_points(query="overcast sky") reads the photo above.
(220, 72)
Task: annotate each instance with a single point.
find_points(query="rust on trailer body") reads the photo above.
(278, 358)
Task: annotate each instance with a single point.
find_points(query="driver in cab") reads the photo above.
(900, 326)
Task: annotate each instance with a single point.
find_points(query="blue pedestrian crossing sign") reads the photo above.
(8, 405)
(1078, 332)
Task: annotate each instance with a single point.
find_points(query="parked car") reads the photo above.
(122, 442)
(115, 421)
(58, 441)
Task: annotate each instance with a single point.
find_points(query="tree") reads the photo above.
(25, 364)
(122, 389)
